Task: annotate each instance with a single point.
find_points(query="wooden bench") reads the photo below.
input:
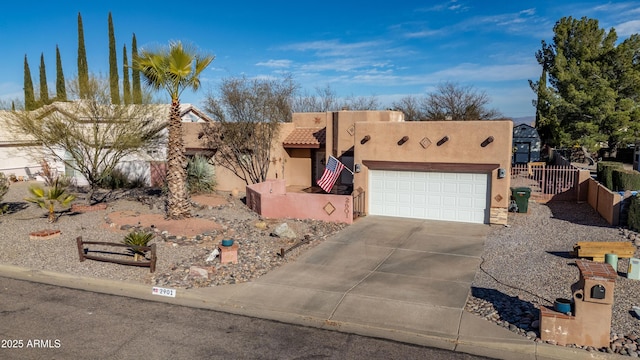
(597, 249)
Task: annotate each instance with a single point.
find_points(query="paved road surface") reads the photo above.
(40, 321)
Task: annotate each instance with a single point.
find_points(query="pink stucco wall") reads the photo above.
(270, 200)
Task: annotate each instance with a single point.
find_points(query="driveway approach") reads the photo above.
(382, 272)
(394, 278)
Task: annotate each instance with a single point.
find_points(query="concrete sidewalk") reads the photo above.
(400, 279)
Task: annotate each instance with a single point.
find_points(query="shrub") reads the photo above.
(200, 175)
(625, 179)
(115, 179)
(4, 188)
(4, 185)
(604, 169)
(118, 179)
(64, 181)
(634, 214)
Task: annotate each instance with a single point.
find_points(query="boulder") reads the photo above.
(284, 231)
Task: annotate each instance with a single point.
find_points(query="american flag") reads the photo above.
(331, 173)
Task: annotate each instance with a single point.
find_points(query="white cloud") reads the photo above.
(275, 63)
(529, 12)
(328, 48)
(423, 34)
(615, 7)
(452, 5)
(628, 28)
(491, 73)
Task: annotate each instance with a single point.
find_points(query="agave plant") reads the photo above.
(50, 197)
(135, 239)
(200, 175)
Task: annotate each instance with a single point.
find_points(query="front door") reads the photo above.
(317, 166)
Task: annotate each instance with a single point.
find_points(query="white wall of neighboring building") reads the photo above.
(21, 161)
(17, 161)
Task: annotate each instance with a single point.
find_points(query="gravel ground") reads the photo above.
(180, 260)
(525, 264)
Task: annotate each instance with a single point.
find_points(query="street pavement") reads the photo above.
(393, 278)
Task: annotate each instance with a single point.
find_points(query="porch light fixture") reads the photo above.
(487, 141)
(365, 139)
(443, 140)
(403, 140)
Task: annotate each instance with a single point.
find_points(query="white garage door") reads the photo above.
(429, 195)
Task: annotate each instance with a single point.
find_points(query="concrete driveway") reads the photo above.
(390, 274)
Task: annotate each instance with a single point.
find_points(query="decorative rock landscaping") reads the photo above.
(528, 264)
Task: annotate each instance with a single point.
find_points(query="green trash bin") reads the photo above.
(521, 195)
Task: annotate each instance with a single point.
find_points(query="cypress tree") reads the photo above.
(135, 74)
(126, 86)
(83, 67)
(44, 88)
(114, 82)
(61, 90)
(29, 96)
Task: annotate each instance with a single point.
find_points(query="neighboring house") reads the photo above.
(16, 153)
(22, 157)
(441, 170)
(526, 144)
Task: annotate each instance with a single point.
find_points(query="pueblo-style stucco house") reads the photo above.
(441, 170)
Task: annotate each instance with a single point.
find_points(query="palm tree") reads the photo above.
(48, 198)
(174, 69)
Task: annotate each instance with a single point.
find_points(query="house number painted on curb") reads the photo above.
(163, 291)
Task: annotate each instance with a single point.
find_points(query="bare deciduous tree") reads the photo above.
(410, 106)
(326, 99)
(248, 114)
(360, 103)
(91, 135)
(450, 101)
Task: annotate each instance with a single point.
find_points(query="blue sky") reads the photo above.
(387, 49)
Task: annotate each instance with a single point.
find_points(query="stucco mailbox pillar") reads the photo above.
(590, 323)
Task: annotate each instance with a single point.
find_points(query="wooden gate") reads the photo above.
(558, 182)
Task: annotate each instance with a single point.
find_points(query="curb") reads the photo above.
(196, 298)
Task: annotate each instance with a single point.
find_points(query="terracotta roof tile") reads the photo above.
(305, 138)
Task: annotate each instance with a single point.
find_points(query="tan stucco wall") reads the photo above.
(311, 119)
(608, 204)
(292, 166)
(463, 147)
(341, 126)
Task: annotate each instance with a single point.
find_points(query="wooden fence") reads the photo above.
(116, 257)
